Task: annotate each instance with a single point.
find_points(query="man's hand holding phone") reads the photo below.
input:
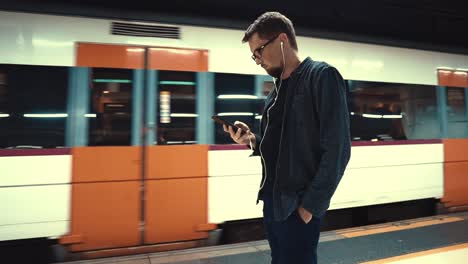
(242, 134)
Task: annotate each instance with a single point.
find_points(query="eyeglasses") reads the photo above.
(257, 53)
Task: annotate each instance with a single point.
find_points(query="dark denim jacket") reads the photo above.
(315, 144)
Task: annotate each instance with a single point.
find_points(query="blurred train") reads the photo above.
(106, 141)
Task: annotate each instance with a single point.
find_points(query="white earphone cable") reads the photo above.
(276, 98)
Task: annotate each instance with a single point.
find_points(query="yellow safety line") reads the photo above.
(402, 227)
(417, 254)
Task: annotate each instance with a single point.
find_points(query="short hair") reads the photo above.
(269, 25)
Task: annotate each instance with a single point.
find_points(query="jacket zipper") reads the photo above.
(276, 170)
(275, 213)
(266, 129)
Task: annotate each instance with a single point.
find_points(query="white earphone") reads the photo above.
(284, 67)
(282, 54)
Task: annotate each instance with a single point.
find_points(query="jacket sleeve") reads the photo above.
(256, 150)
(330, 96)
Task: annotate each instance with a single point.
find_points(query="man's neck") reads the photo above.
(291, 65)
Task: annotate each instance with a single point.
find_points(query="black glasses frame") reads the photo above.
(259, 50)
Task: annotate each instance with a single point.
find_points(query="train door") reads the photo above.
(453, 101)
(176, 165)
(138, 175)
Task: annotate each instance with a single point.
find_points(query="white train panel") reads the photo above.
(34, 170)
(38, 39)
(34, 211)
(233, 162)
(33, 230)
(233, 198)
(37, 192)
(380, 185)
(375, 175)
(368, 62)
(49, 40)
(392, 155)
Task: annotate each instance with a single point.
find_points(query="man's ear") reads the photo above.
(284, 38)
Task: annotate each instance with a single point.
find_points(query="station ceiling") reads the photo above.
(422, 24)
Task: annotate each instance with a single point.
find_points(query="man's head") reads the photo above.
(265, 36)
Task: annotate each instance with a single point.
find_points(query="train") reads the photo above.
(107, 141)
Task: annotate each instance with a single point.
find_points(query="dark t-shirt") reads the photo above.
(271, 124)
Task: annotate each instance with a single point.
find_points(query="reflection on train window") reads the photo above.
(389, 111)
(33, 106)
(110, 107)
(457, 112)
(267, 88)
(176, 103)
(236, 100)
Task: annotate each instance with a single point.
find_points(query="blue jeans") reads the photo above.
(291, 241)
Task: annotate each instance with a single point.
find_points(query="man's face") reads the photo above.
(269, 57)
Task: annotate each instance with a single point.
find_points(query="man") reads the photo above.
(304, 142)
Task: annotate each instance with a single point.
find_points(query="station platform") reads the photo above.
(437, 239)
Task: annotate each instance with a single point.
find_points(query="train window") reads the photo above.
(457, 112)
(176, 107)
(236, 100)
(110, 107)
(390, 111)
(33, 106)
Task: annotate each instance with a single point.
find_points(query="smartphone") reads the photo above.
(222, 121)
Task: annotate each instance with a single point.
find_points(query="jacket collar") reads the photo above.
(304, 64)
